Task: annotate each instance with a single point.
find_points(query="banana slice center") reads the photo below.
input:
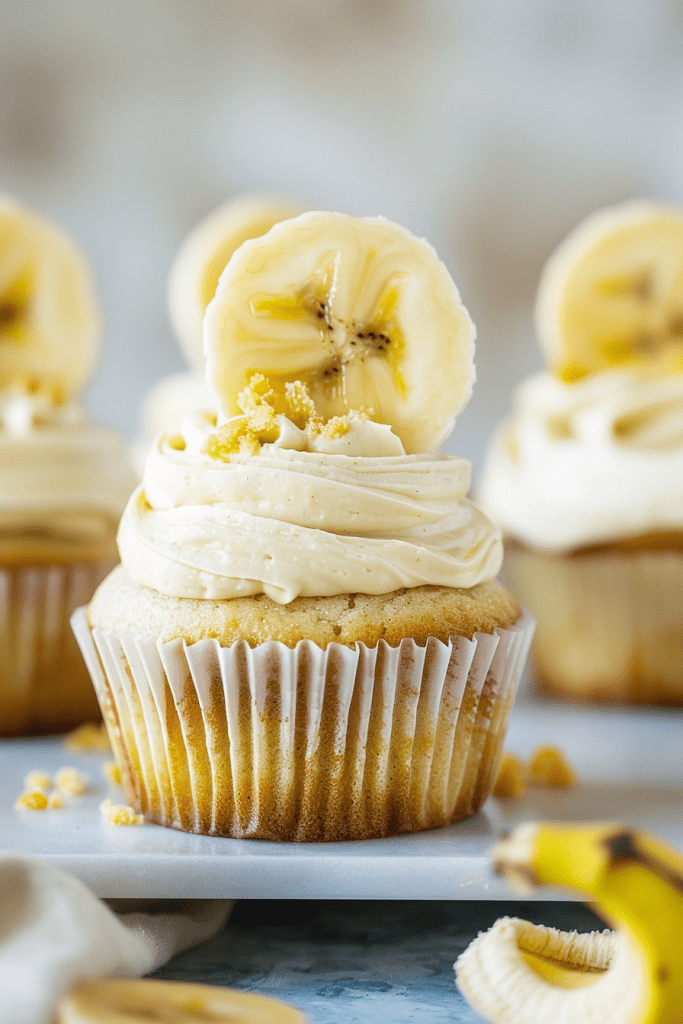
(14, 310)
(317, 308)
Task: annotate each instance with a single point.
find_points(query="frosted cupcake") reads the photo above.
(63, 480)
(586, 478)
(192, 284)
(306, 640)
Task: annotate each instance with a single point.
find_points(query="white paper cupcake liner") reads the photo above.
(43, 684)
(610, 623)
(304, 743)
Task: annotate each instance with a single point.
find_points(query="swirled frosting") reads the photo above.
(588, 463)
(304, 516)
(63, 479)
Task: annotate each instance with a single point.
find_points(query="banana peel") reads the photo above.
(520, 973)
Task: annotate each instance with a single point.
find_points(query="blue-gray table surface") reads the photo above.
(354, 962)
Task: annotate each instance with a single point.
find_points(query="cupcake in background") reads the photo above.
(306, 639)
(586, 477)
(191, 286)
(64, 481)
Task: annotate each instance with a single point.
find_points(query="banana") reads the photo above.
(49, 319)
(611, 295)
(357, 309)
(170, 1002)
(203, 255)
(519, 973)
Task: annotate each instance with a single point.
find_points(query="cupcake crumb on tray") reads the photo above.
(88, 738)
(119, 814)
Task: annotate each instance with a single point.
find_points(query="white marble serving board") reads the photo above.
(630, 766)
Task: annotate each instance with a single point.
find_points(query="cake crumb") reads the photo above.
(119, 814)
(32, 800)
(111, 771)
(87, 738)
(68, 780)
(37, 779)
(549, 767)
(54, 801)
(511, 779)
(301, 405)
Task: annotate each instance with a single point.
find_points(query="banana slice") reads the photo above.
(170, 1002)
(356, 308)
(49, 320)
(611, 295)
(203, 255)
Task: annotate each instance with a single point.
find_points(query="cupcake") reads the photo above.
(306, 640)
(586, 477)
(63, 480)
(192, 284)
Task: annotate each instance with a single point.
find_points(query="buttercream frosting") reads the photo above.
(61, 476)
(307, 515)
(590, 462)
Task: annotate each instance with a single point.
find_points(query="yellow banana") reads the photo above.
(170, 1002)
(518, 973)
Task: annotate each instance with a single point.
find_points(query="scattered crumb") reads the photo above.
(87, 738)
(68, 780)
(301, 405)
(54, 801)
(119, 814)
(33, 800)
(549, 767)
(112, 772)
(511, 779)
(37, 780)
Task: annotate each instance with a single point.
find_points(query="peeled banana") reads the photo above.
(519, 973)
(170, 1002)
(203, 255)
(49, 318)
(357, 309)
(611, 295)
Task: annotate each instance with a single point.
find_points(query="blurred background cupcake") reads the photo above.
(586, 477)
(63, 480)
(191, 286)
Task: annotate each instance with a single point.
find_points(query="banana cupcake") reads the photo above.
(586, 478)
(63, 480)
(191, 286)
(306, 640)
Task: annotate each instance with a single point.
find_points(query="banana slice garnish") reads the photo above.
(170, 1002)
(611, 295)
(203, 256)
(357, 309)
(519, 973)
(49, 319)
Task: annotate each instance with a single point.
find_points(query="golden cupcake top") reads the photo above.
(593, 450)
(339, 353)
(63, 480)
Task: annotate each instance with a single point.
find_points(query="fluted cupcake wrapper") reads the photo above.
(43, 684)
(304, 743)
(610, 623)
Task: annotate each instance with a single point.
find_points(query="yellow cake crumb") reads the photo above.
(549, 767)
(511, 779)
(68, 780)
(112, 772)
(119, 814)
(32, 800)
(301, 405)
(37, 779)
(87, 738)
(54, 801)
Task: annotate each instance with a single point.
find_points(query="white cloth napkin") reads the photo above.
(54, 932)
